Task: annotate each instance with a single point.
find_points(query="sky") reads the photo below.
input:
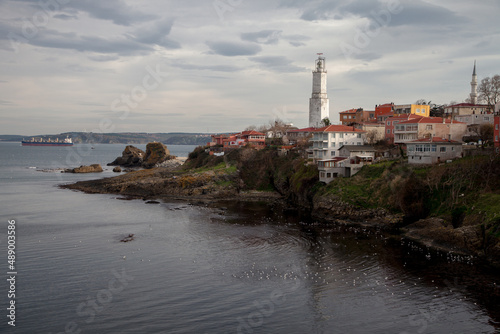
(222, 65)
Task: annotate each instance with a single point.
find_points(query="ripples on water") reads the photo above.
(224, 268)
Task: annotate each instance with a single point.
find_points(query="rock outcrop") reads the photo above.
(131, 157)
(331, 208)
(117, 169)
(163, 183)
(95, 168)
(156, 154)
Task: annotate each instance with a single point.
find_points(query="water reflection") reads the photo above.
(359, 280)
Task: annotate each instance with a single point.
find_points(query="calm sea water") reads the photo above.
(225, 268)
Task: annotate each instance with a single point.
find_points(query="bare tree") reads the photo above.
(250, 128)
(423, 102)
(489, 90)
(371, 137)
(486, 133)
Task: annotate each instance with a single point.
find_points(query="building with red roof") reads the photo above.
(428, 127)
(433, 150)
(467, 109)
(356, 116)
(251, 138)
(327, 140)
(390, 124)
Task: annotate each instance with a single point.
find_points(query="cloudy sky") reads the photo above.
(221, 65)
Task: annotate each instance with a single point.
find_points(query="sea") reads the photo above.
(225, 267)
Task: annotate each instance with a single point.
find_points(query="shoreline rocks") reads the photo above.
(156, 155)
(94, 168)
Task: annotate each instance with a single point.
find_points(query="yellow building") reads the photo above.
(414, 109)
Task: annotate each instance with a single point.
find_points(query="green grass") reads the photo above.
(220, 166)
(489, 205)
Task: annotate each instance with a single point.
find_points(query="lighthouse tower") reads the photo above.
(473, 86)
(319, 106)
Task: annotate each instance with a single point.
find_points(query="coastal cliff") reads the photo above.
(454, 207)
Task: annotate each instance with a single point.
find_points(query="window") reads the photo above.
(359, 143)
(418, 111)
(333, 144)
(486, 118)
(359, 135)
(496, 126)
(433, 148)
(332, 153)
(411, 148)
(442, 149)
(341, 135)
(427, 148)
(418, 148)
(428, 127)
(341, 144)
(388, 131)
(322, 174)
(388, 123)
(350, 116)
(333, 135)
(345, 116)
(328, 175)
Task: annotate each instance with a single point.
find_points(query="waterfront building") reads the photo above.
(428, 127)
(433, 150)
(327, 140)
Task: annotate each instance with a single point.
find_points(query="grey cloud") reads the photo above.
(122, 46)
(65, 17)
(296, 40)
(278, 64)
(414, 12)
(104, 58)
(230, 49)
(297, 44)
(197, 67)
(156, 34)
(263, 36)
(5, 103)
(116, 11)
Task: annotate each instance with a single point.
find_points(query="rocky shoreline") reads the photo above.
(172, 182)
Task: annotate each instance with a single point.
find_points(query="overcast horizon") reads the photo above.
(222, 65)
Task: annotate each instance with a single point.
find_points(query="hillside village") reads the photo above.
(361, 137)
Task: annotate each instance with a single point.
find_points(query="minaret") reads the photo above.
(319, 106)
(473, 86)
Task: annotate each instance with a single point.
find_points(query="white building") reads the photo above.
(319, 105)
(327, 140)
(433, 150)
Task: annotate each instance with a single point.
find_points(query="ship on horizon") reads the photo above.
(48, 142)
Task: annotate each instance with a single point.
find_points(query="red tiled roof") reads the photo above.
(338, 128)
(433, 120)
(405, 116)
(253, 133)
(467, 105)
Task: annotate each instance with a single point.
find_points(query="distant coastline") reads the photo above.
(171, 138)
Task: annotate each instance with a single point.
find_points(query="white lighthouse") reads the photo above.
(473, 86)
(319, 106)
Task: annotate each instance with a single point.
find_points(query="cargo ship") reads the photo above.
(48, 142)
